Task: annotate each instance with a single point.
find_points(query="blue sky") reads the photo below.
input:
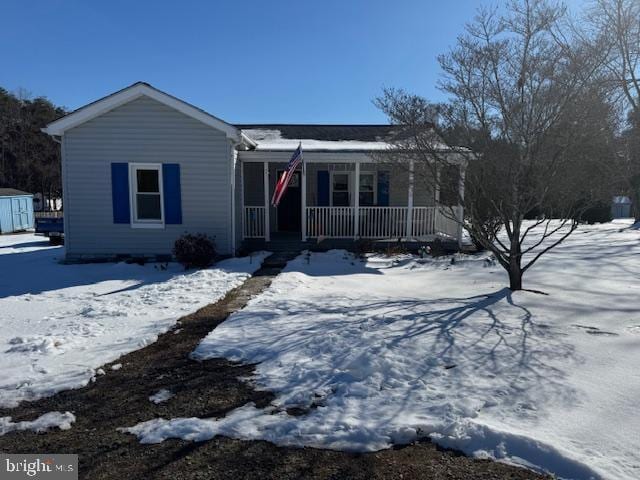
(244, 61)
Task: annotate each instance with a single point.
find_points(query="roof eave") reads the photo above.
(133, 92)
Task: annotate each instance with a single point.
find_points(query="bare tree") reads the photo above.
(613, 26)
(534, 132)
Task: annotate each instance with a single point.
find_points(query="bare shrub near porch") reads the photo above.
(195, 250)
(536, 132)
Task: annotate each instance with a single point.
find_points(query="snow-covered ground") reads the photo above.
(59, 323)
(390, 350)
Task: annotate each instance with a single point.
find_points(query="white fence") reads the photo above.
(373, 222)
(253, 224)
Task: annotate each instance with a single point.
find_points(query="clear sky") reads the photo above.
(261, 61)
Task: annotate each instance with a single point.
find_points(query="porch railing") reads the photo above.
(428, 221)
(382, 222)
(333, 222)
(373, 222)
(253, 222)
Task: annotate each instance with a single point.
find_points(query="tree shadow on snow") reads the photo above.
(456, 355)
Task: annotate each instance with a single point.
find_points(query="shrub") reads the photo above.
(195, 250)
(437, 248)
(363, 246)
(598, 213)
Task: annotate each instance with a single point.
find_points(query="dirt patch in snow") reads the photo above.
(207, 389)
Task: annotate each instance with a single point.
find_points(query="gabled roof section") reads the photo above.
(132, 92)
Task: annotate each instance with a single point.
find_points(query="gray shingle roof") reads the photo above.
(11, 192)
(363, 133)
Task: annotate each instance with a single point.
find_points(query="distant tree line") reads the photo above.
(29, 159)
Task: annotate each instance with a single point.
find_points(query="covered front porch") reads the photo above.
(343, 196)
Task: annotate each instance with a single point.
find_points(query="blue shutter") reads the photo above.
(120, 192)
(323, 188)
(383, 189)
(172, 194)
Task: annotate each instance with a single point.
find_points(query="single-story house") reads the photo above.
(141, 167)
(16, 210)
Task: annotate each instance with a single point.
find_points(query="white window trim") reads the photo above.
(349, 179)
(133, 190)
(350, 175)
(374, 174)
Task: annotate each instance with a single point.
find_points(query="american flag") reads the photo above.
(287, 175)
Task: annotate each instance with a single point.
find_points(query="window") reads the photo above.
(146, 195)
(340, 190)
(367, 189)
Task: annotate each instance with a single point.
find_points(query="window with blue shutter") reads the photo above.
(172, 193)
(120, 192)
(383, 189)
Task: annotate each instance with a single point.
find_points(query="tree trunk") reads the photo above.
(515, 255)
(515, 275)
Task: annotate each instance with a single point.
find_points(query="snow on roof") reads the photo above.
(354, 138)
(621, 199)
(273, 140)
(328, 138)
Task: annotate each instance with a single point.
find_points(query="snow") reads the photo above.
(390, 350)
(272, 140)
(41, 424)
(60, 323)
(161, 396)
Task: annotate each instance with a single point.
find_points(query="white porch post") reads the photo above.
(356, 203)
(234, 206)
(303, 193)
(243, 214)
(267, 224)
(460, 212)
(410, 202)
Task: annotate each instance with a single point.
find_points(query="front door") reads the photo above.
(290, 207)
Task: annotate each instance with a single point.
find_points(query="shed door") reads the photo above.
(19, 209)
